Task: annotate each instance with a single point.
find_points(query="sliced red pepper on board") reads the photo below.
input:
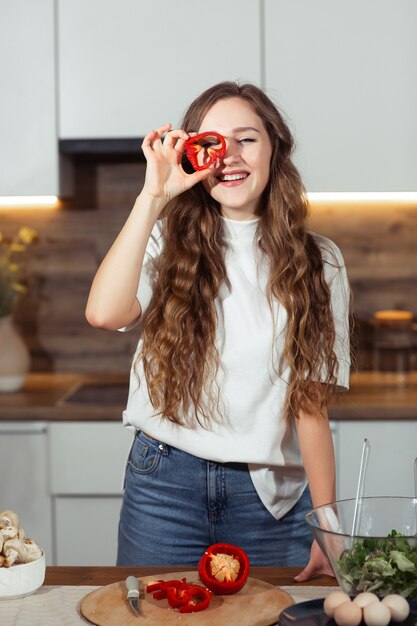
(199, 600)
(224, 568)
(179, 595)
(204, 149)
(161, 585)
(185, 597)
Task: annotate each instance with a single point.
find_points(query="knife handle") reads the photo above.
(132, 586)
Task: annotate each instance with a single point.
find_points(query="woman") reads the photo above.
(243, 321)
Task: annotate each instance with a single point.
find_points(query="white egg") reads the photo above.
(365, 598)
(398, 606)
(376, 614)
(333, 600)
(348, 614)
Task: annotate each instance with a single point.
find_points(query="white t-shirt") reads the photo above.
(253, 429)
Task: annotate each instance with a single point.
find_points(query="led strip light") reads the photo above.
(28, 201)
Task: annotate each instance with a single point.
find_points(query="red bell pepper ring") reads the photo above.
(213, 152)
(185, 597)
(224, 568)
(199, 600)
(160, 588)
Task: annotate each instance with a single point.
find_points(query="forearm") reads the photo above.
(317, 452)
(112, 300)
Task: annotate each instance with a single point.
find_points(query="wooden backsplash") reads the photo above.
(379, 244)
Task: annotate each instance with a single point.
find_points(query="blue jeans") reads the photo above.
(176, 504)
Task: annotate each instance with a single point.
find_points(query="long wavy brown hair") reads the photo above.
(178, 353)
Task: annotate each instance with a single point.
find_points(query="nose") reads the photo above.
(232, 153)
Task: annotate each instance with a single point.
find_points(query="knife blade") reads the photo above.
(132, 586)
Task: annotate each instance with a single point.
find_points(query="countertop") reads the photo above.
(45, 397)
(95, 575)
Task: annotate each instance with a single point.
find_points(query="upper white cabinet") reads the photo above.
(345, 75)
(28, 128)
(127, 66)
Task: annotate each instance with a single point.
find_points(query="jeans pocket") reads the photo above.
(144, 456)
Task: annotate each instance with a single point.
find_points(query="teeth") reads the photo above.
(227, 177)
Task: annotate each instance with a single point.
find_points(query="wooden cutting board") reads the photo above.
(257, 604)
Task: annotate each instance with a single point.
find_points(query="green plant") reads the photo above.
(12, 267)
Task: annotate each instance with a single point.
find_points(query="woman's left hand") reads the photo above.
(318, 564)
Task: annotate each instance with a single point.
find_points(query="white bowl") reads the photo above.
(21, 580)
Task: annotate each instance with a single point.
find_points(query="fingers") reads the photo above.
(154, 139)
(165, 140)
(174, 142)
(317, 565)
(305, 574)
(176, 139)
(197, 177)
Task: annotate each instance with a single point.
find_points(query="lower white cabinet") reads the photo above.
(393, 451)
(87, 462)
(24, 473)
(86, 529)
(88, 457)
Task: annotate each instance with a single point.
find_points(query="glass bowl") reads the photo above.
(380, 555)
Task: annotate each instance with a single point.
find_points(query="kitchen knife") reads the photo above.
(132, 586)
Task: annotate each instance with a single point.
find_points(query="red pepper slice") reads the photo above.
(162, 584)
(213, 151)
(224, 568)
(181, 595)
(199, 600)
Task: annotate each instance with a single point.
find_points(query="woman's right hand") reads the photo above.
(165, 178)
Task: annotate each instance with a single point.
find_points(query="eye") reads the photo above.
(247, 140)
(210, 144)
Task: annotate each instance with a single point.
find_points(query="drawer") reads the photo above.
(88, 458)
(86, 529)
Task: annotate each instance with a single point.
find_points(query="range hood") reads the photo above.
(105, 147)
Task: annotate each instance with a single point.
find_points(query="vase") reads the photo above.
(14, 357)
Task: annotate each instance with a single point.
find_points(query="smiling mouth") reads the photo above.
(230, 177)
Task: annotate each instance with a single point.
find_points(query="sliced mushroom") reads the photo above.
(9, 532)
(15, 551)
(34, 552)
(1, 560)
(21, 534)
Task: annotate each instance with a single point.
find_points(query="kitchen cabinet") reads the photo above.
(126, 67)
(344, 74)
(87, 463)
(86, 529)
(24, 479)
(28, 121)
(393, 451)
